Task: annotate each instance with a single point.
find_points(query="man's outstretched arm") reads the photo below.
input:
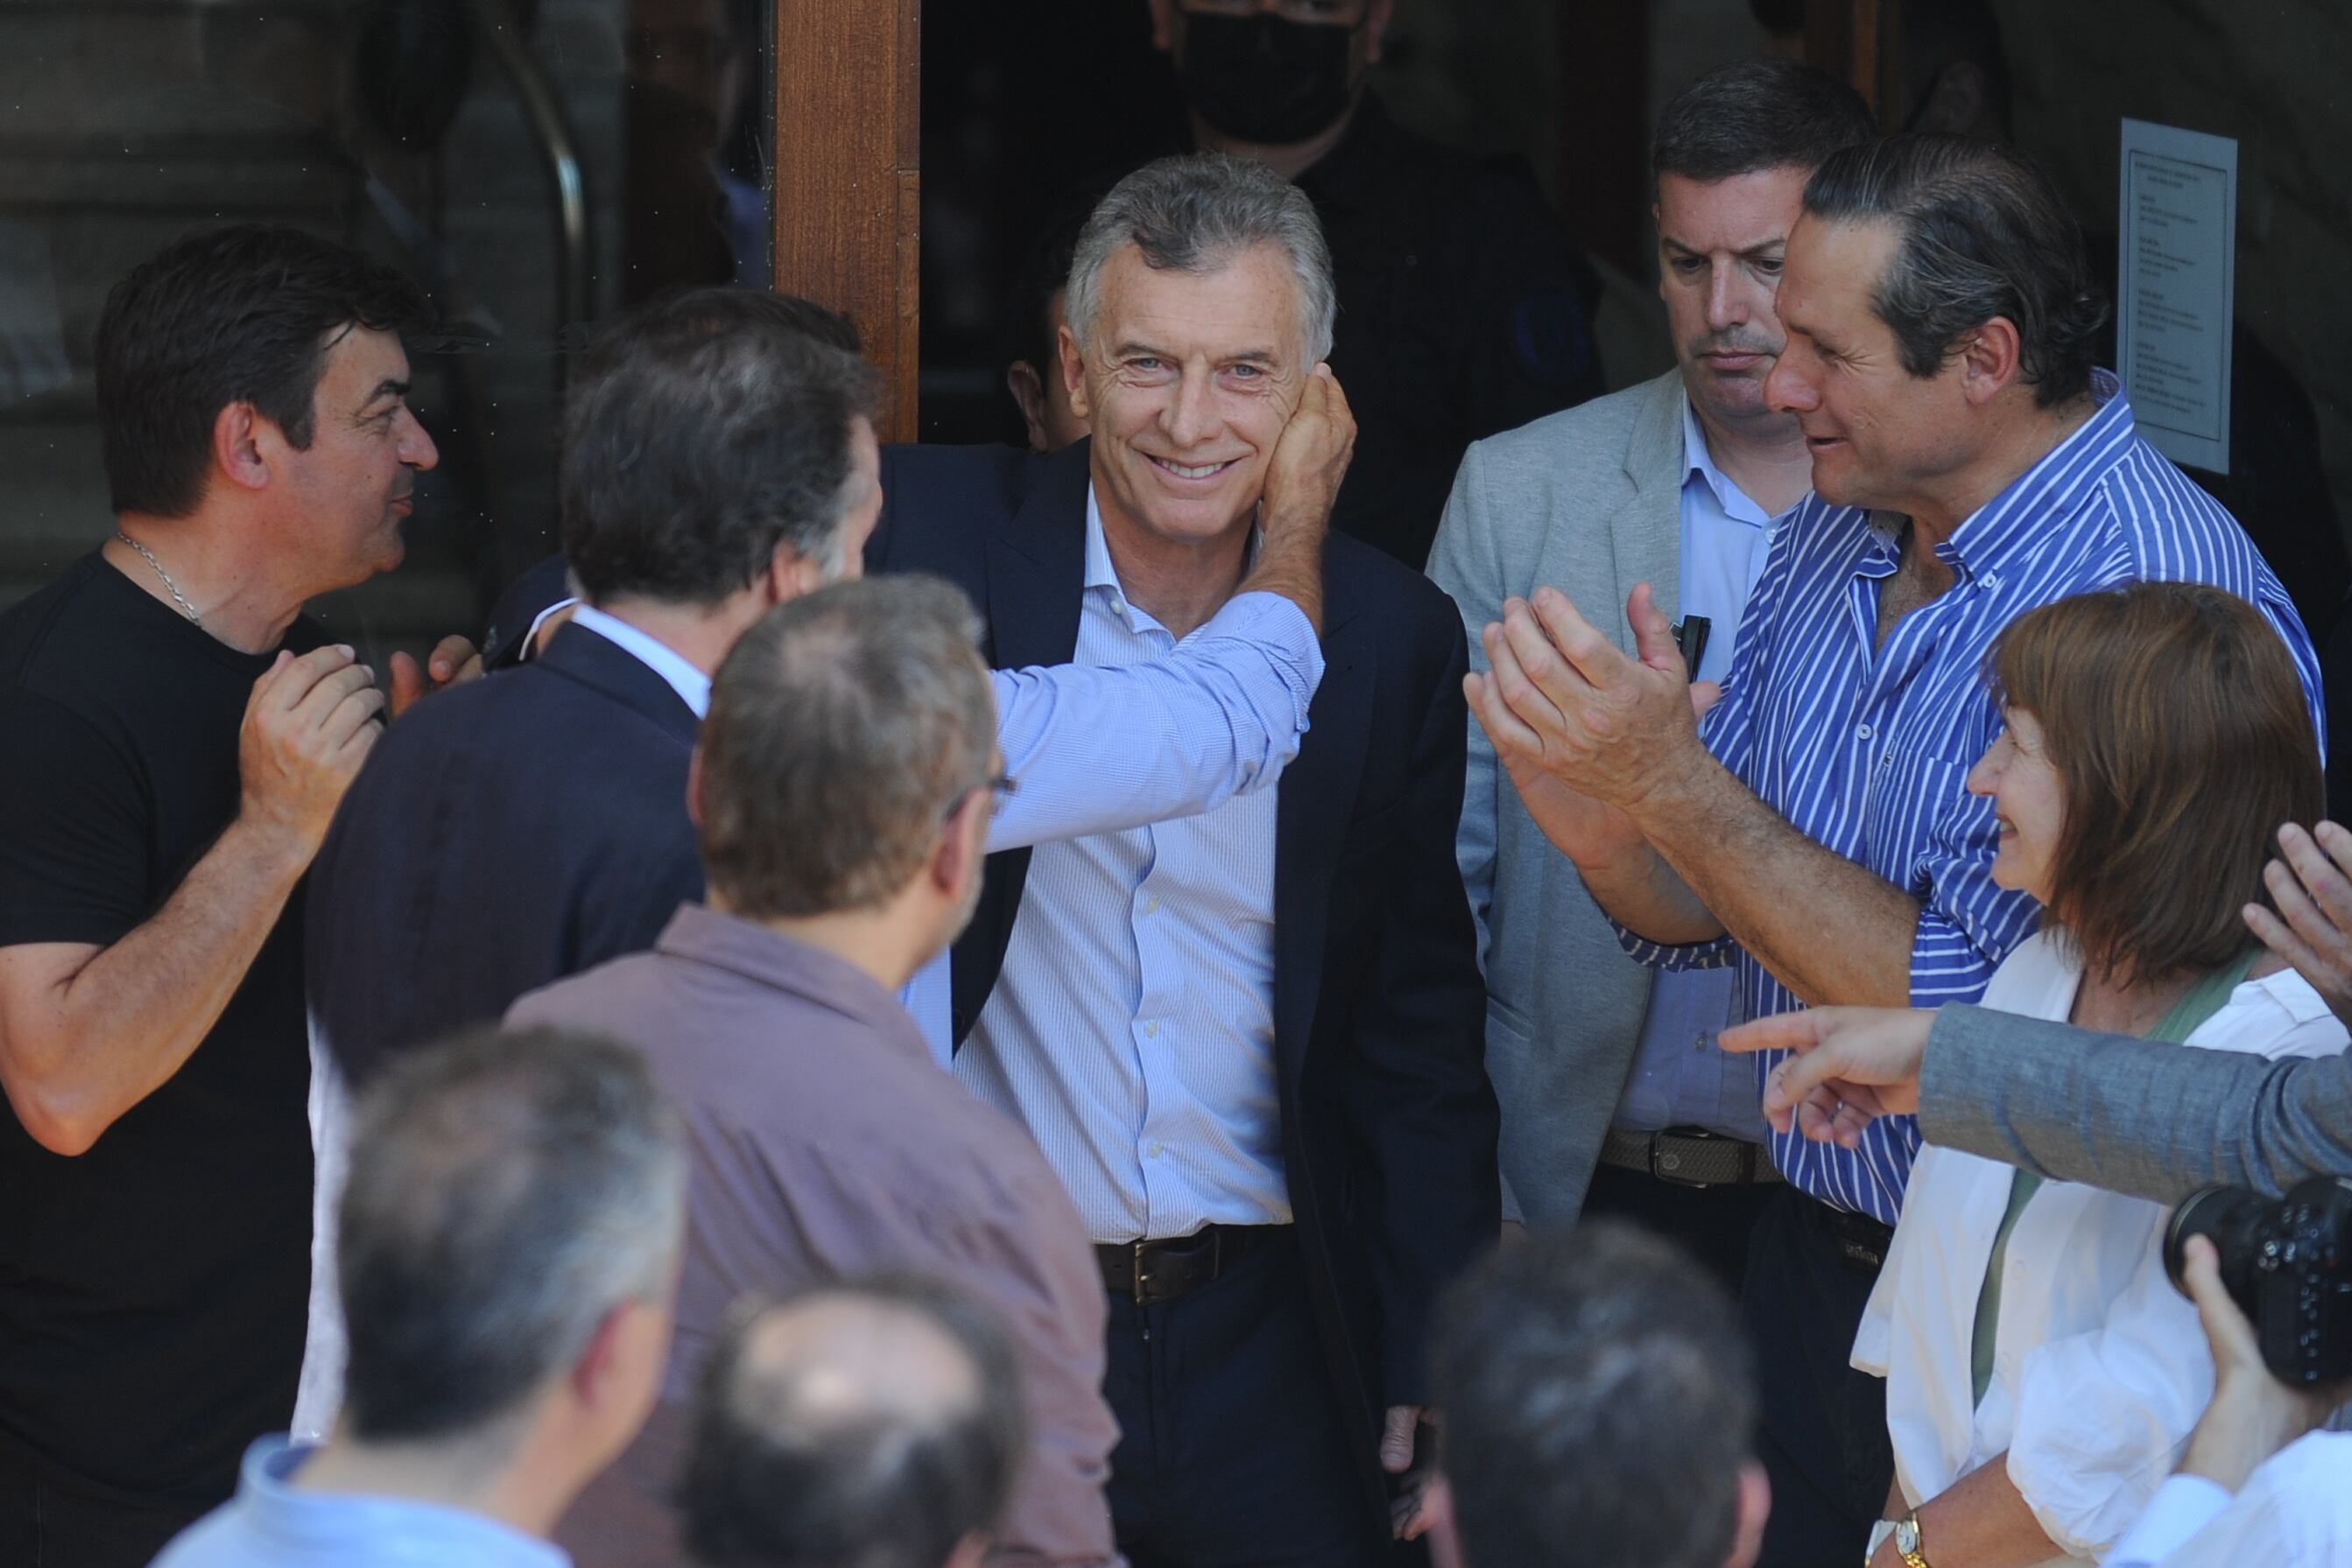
(2149, 1119)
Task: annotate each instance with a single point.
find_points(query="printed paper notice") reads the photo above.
(2176, 288)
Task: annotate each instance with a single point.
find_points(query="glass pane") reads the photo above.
(534, 164)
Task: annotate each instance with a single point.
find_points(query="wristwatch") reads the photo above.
(1907, 1540)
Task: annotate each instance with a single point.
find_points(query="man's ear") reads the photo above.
(1377, 18)
(592, 1374)
(1164, 25)
(238, 432)
(962, 844)
(694, 813)
(1022, 381)
(1074, 372)
(791, 574)
(1755, 1509)
(1990, 360)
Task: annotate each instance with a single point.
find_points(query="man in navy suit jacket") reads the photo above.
(1250, 1043)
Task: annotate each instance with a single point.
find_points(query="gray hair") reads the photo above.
(1983, 234)
(1196, 214)
(867, 1425)
(1585, 1375)
(506, 1192)
(844, 726)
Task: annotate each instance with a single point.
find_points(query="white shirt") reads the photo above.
(1131, 1030)
(2100, 1370)
(2295, 1512)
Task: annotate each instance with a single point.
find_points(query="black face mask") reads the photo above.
(1265, 79)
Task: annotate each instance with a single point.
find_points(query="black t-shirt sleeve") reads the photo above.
(74, 857)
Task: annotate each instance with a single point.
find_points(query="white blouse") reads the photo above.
(2100, 1369)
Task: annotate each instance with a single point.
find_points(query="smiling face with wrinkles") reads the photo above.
(1188, 380)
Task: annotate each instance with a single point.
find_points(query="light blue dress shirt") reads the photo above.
(1097, 748)
(272, 1524)
(1680, 1077)
(1131, 1030)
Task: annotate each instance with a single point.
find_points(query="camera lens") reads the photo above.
(2234, 1219)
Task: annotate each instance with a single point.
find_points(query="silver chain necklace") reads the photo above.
(148, 556)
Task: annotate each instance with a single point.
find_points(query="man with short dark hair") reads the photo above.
(1614, 1097)
(875, 1424)
(179, 734)
(1969, 463)
(510, 1242)
(843, 789)
(1597, 1390)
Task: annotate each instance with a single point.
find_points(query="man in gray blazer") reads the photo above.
(1608, 1071)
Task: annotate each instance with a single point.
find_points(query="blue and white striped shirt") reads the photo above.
(1867, 750)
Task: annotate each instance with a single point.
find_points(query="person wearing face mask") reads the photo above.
(2040, 1370)
(1465, 304)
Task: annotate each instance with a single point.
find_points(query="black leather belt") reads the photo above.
(1863, 1241)
(1162, 1271)
(1689, 1156)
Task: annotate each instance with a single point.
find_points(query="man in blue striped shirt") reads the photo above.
(1969, 464)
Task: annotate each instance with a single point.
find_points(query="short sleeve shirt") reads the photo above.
(152, 1289)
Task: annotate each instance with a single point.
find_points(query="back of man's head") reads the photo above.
(876, 1425)
(1754, 115)
(1981, 233)
(703, 430)
(240, 314)
(1598, 1397)
(844, 728)
(508, 1193)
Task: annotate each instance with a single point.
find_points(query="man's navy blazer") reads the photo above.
(503, 834)
(1379, 1011)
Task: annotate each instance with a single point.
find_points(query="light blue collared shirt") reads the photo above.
(1680, 1077)
(692, 686)
(273, 1523)
(1131, 1030)
(1098, 748)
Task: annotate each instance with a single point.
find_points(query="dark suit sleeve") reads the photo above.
(2152, 1120)
(1416, 1092)
(628, 914)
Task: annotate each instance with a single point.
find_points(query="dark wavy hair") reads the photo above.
(1984, 234)
(2176, 724)
(243, 313)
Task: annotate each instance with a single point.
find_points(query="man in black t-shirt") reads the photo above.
(178, 736)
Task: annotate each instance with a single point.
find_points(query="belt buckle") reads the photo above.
(1136, 1281)
(1664, 1166)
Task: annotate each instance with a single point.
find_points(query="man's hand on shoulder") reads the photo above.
(309, 724)
(454, 660)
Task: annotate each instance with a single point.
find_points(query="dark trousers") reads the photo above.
(52, 1519)
(1823, 1440)
(1232, 1450)
(1712, 1223)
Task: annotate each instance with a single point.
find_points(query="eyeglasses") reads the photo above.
(1001, 788)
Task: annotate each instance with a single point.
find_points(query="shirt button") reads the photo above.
(1152, 1027)
(1153, 1151)
(1862, 730)
(1150, 906)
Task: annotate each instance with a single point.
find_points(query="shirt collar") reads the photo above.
(1697, 460)
(284, 1513)
(692, 686)
(780, 963)
(1102, 574)
(2047, 494)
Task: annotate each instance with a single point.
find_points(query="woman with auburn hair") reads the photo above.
(2042, 1373)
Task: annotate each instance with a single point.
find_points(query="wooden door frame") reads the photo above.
(847, 198)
